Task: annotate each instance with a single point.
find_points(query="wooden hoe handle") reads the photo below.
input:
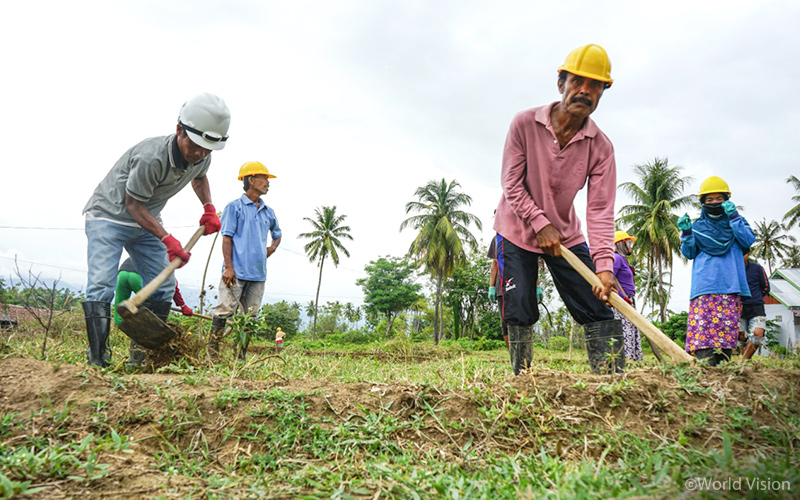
(649, 330)
(134, 302)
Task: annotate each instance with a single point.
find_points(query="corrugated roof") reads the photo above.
(785, 286)
(792, 275)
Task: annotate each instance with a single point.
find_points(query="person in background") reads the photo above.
(247, 224)
(279, 334)
(715, 243)
(753, 323)
(496, 288)
(623, 274)
(130, 282)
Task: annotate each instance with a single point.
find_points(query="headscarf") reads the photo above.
(713, 235)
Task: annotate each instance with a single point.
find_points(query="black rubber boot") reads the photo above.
(713, 356)
(215, 337)
(605, 346)
(160, 309)
(520, 339)
(98, 327)
(137, 352)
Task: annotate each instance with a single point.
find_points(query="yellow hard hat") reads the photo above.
(714, 184)
(254, 168)
(622, 235)
(590, 61)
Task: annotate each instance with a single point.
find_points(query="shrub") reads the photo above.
(558, 343)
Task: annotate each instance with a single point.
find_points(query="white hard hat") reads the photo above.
(206, 119)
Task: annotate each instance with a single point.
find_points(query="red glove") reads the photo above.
(175, 249)
(186, 310)
(628, 300)
(210, 219)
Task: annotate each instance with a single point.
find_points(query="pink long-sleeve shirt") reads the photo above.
(540, 181)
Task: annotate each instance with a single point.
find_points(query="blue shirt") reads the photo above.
(249, 226)
(719, 274)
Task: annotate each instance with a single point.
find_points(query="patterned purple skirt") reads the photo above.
(713, 322)
(633, 341)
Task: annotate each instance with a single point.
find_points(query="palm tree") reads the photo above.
(793, 215)
(770, 243)
(443, 230)
(325, 242)
(792, 259)
(652, 219)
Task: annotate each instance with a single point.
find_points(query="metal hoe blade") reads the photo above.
(145, 328)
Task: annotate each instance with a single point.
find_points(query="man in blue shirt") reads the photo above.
(246, 225)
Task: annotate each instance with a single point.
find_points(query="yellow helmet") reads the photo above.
(589, 61)
(622, 235)
(254, 168)
(714, 184)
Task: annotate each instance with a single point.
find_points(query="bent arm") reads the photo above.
(601, 195)
(143, 217)
(742, 232)
(274, 246)
(512, 179)
(202, 189)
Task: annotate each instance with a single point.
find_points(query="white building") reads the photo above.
(782, 306)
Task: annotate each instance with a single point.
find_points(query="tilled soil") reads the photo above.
(546, 408)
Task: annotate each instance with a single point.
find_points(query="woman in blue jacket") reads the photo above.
(715, 243)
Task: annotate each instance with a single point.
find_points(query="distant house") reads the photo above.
(782, 305)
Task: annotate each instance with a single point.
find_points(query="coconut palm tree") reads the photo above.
(770, 244)
(792, 259)
(792, 217)
(657, 202)
(325, 242)
(443, 232)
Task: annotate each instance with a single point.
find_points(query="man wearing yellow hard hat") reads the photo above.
(247, 224)
(551, 153)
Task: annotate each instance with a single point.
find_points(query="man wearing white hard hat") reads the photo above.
(124, 212)
(247, 225)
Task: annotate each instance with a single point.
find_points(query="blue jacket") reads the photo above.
(715, 245)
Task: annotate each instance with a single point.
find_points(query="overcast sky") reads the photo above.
(357, 103)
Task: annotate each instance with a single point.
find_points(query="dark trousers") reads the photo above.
(519, 270)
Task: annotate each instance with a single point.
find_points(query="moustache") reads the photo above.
(583, 100)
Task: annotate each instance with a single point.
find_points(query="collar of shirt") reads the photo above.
(176, 158)
(542, 116)
(248, 201)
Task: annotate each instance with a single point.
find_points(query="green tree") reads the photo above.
(443, 233)
(465, 293)
(281, 314)
(792, 258)
(652, 218)
(792, 217)
(770, 244)
(389, 288)
(326, 241)
(675, 327)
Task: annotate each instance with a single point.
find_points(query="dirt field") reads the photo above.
(227, 421)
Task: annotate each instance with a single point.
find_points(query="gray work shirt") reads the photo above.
(148, 173)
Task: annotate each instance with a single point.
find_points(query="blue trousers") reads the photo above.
(106, 241)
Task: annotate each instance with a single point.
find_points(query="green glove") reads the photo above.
(684, 223)
(729, 207)
(492, 293)
(539, 294)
